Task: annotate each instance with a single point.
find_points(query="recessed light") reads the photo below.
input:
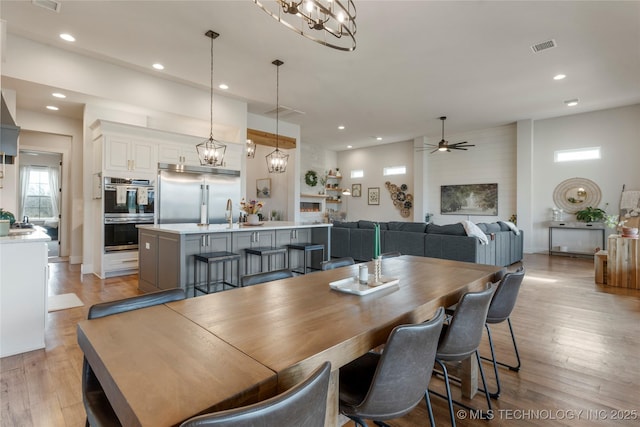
(349, 146)
(559, 76)
(378, 138)
(341, 127)
(52, 107)
(223, 86)
(67, 37)
(158, 66)
(58, 95)
(571, 102)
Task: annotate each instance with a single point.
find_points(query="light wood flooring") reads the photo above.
(579, 343)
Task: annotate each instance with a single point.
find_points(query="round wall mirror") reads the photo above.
(574, 194)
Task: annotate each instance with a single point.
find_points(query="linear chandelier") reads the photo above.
(210, 151)
(329, 22)
(277, 160)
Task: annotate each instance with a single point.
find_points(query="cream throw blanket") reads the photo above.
(511, 226)
(473, 230)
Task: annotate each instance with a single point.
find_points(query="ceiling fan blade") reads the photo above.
(437, 149)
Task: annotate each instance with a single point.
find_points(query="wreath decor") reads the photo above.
(401, 199)
(311, 178)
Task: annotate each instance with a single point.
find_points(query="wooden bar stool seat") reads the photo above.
(305, 248)
(215, 258)
(264, 251)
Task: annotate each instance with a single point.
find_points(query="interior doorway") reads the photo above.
(40, 194)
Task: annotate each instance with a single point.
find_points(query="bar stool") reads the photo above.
(305, 248)
(216, 258)
(263, 251)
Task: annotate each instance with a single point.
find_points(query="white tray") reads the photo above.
(351, 285)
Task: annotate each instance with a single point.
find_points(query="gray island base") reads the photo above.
(166, 251)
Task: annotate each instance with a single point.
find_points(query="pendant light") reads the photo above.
(251, 149)
(210, 151)
(277, 160)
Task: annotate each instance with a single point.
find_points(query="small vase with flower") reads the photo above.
(252, 209)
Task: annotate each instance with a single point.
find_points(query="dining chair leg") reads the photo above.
(358, 421)
(514, 368)
(448, 388)
(495, 394)
(489, 414)
(494, 360)
(427, 401)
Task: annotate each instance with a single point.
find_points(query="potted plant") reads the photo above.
(591, 214)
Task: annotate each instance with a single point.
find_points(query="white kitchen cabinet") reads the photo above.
(23, 293)
(179, 154)
(129, 155)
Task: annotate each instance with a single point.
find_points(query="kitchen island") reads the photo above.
(166, 250)
(23, 290)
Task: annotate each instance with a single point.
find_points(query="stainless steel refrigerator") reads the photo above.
(184, 193)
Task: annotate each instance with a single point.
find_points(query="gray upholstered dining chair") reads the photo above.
(390, 254)
(267, 276)
(99, 410)
(336, 263)
(461, 338)
(382, 386)
(305, 404)
(502, 304)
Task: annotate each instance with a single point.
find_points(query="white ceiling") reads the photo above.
(415, 60)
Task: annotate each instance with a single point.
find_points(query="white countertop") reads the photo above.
(191, 228)
(25, 235)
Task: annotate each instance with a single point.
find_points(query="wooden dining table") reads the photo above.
(278, 332)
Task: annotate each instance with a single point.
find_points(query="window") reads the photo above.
(358, 173)
(39, 192)
(579, 154)
(394, 170)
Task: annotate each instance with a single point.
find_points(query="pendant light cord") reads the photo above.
(211, 95)
(277, 105)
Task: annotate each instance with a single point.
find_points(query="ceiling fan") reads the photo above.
(444, 145)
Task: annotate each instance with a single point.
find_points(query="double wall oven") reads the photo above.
(127, 202)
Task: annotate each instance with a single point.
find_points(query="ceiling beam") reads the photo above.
(269, 139)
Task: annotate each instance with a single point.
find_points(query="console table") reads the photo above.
(584, 239)
(623, 266)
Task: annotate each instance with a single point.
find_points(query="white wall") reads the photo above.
(372, 161)
(285, 189)
(44, 132)
(492, 160)
(616, 131)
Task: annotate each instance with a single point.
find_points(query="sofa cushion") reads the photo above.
(405, 242)
(493, 227)
(345, 224)
(412, 227)
(483, 226)
(503, 226)
(370, 224)
(450, 229)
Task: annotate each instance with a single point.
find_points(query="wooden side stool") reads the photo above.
(600, 261)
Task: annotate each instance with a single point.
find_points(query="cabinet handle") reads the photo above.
(203, 242)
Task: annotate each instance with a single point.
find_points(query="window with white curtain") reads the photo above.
(40, 196)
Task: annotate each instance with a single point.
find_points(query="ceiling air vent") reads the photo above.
(51, 5)
(284, 112)
(543, 46)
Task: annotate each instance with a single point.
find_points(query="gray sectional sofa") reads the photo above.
(355, 239)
